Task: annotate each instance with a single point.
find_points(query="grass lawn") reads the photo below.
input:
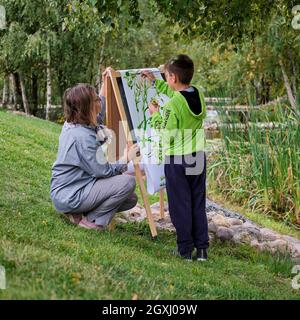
(46, 258)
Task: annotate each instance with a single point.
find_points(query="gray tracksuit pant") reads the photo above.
(107, 197)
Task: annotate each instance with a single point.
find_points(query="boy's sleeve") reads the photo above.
(167, 121)
(156, 120)
(163, 87)
(167, 126)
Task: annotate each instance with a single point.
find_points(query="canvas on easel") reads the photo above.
(127, 100)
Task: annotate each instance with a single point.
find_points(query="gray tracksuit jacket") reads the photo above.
(80, 162)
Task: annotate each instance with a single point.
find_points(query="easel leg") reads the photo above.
(162, 204)
(140, 181)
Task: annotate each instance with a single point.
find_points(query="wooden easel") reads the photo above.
(115, 113)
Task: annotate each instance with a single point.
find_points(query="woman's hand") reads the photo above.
(105, 74)
(131, 153)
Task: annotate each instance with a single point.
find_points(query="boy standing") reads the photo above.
(185, 160)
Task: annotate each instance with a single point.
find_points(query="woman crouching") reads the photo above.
(84, 186)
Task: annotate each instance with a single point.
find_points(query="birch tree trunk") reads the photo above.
(288, 87)
(5, 91)
(24, 97)
(13, 90)
(294, 79)
(49, 88)
(10, 93)
(34, 93)
(101, 61)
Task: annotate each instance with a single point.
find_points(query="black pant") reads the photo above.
(186, 189)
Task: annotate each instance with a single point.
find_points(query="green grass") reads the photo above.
(46, 258)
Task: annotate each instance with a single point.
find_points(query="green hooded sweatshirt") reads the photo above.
(180, 128)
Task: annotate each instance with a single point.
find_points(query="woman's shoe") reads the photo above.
(84, 223)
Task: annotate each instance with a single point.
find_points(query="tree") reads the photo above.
(239, 20)
(285, 45)
(11, 54)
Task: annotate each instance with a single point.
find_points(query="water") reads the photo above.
(212, 118)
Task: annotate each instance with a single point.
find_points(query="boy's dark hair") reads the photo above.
(79, 104)
(183, 66)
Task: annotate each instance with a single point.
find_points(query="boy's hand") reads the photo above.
(147, 75)
(153, 107)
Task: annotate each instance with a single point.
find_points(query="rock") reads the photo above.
(268, 234)
(246, 234)
(166, 206)
(210, 215)
(212, 227)
(291, 239)
(257, 245)
(135, 209)
(249, 224)
(220, 221)
(211, 237)
(252, 230)
(236, 228)
(120, 221)
(134, 214)
(156, 206)
(156, 214)
(125, 215)
(255, 233)
(295, 250)
(278, 245)
(167, 226)
(224, 233)
(139, 206)
(142, 215)
(243, 237)
(235, 221)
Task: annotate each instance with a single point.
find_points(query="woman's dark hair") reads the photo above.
(79, 104)
(183, 66)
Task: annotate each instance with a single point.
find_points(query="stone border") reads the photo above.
(225, 225)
